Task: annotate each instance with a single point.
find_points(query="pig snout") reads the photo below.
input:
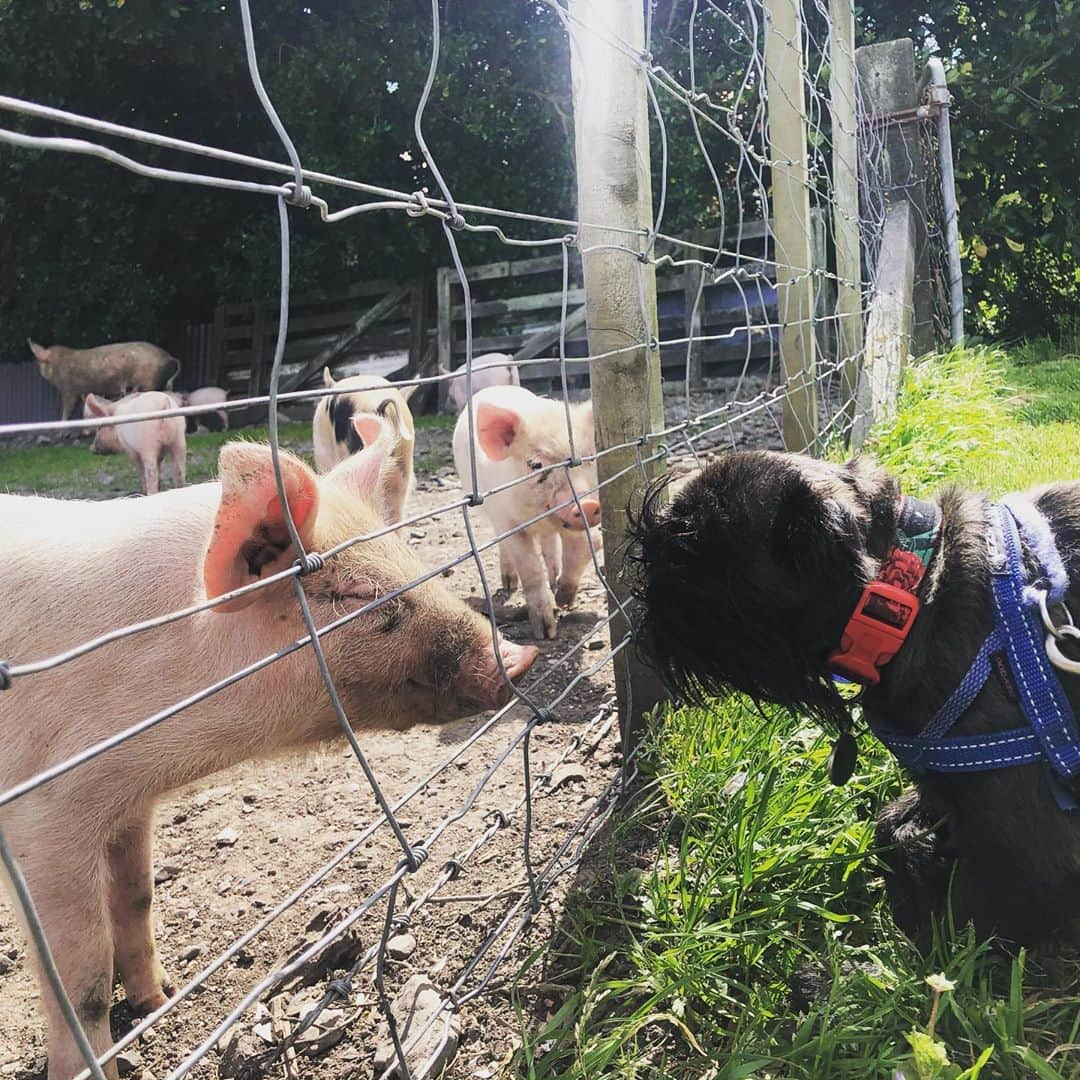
(582, 517)
(483, 686)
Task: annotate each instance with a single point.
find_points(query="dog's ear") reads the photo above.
(809, 530)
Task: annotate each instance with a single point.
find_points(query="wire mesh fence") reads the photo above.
(793, 384)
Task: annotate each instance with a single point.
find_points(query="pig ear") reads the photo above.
(496, 429)
(38, 350)
(327, 378)
(96, 407)
(408, 391)
(379, 472)
(370, 428)
(250, 538)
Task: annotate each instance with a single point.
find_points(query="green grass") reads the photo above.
(742, 864)
(71, 471)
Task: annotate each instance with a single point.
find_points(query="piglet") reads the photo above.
(491, 369)
(218, 420)
(146, 442)
(519, 434)
(75, 570)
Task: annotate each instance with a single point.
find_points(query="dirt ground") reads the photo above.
(231, 849)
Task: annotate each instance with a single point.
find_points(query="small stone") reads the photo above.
(247, 809)
(401, 946)
(418, 1008)
(5, 965)
(264, 1032)
(206, 797)
(166, 873)
(250, 797)
(596, 645)
(10, 1069)
(227, 837)
(417, 534)
(179, 817)
(192, 952)
(128, 1061)
(565, 774)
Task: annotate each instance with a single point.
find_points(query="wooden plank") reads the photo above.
(845, 158)
(693, 302)
(509, 268)
(535, 344)
(327, 356)
(784, 79)
(417, 320)
(511, 305)
(614, 184)
(258, 351)
(824, 288)
(217, 345)
(444, 283)
(889, 326)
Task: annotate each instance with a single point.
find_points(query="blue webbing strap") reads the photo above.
(1041, 696)
(1052, 735)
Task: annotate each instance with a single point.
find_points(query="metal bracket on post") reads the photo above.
(611, 137)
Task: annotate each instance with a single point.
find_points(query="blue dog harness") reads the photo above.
(1015, 647)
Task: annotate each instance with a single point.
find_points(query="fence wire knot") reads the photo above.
(416, 857)
(475, 498)
(298, 197)
(500, 817)
(339, 987)
(456, 221)
(310, 563)
(421, 206)
(401, 921)
(5, 675)
(453, 868)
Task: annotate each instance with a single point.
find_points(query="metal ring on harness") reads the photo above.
(1059, 630)
(1053, 650)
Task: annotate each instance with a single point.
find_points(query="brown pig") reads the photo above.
(519, 433)
(77, 569)
(112, 370)
(146, 442)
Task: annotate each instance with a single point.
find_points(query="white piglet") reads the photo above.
(519, 434)
(146, 442)
(344, 423)
(75, 570)
(491, 369)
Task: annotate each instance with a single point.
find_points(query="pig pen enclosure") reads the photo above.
(378, 907)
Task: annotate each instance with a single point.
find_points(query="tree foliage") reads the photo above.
(89, 253)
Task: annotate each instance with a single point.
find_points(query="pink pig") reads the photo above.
(146, 442)
(78, 569)
(518, 433)
(491, 369)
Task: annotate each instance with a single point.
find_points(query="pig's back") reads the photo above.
(75, 569)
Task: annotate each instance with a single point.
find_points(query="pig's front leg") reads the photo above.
(131, 896)
(507, 571)
(526, 559)
(68, 881)
(575, 557)
(549, 546)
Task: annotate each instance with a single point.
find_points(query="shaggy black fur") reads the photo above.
(747, 581)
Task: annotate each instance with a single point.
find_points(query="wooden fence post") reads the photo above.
(694, 300)
(889, 92)
(611, 136)
(786, 122)
(845, 157)
(445, 277)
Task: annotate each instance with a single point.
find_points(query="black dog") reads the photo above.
(748, 581)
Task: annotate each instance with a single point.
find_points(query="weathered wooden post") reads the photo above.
(792, 239)
(611, 136)
(890, 100)
(845, 157)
